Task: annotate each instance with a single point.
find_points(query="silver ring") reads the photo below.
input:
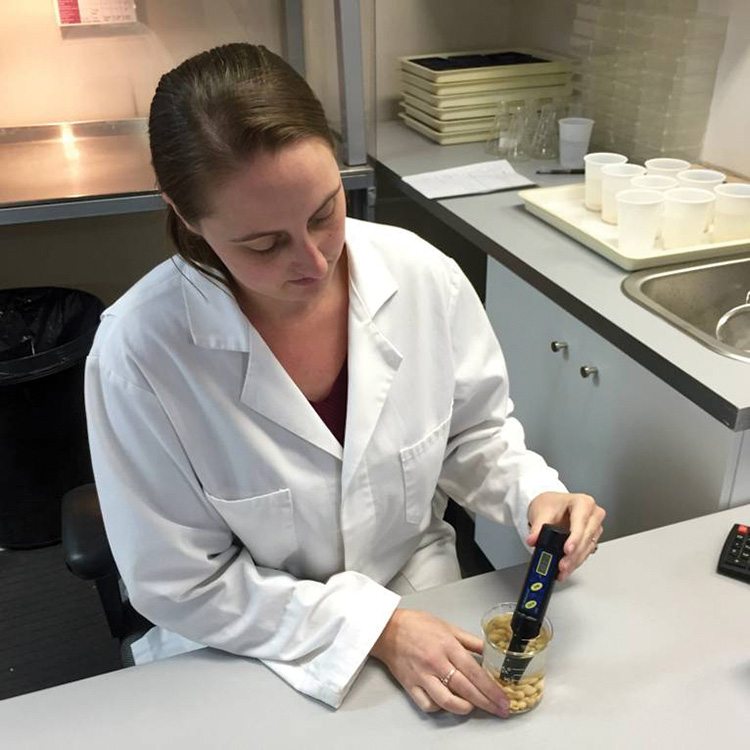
(445, 680)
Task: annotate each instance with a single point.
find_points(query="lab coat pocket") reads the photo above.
(421, 464)
(263, 523)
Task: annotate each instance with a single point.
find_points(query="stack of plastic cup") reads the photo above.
(575, 134)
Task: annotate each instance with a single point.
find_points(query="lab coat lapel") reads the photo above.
(270, 391)
(373, 359)
(216, 322)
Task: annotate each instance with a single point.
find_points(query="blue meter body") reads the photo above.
(535, 595)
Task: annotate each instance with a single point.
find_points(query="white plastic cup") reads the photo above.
(654, 182)
(686, 214)
(707, 179)
(616, 177)
(732, 212)
(594, 163)
(666, 166)
(575, 134)
(639, 214)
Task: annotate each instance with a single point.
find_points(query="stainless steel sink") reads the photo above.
(693, 296)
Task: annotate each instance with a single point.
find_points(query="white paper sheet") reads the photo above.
(484, 177)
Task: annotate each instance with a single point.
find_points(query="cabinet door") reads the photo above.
(646, 453)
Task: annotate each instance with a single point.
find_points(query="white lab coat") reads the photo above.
(238, 521)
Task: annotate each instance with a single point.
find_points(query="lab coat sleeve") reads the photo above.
(488, 467)
(184, 570)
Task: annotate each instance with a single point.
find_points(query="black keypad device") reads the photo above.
(734, 560)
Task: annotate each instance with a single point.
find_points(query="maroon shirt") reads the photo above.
(332, 408)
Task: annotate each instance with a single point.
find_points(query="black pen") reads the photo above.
(559, 171)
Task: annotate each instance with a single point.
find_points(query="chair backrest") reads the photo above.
(88, 556)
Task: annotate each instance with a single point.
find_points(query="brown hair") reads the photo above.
(212, 112)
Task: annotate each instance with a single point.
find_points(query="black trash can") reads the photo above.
(45, 335)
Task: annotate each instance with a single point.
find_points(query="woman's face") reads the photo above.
(278, 226)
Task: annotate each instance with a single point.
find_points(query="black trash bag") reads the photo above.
(45, 335)
(38, 319)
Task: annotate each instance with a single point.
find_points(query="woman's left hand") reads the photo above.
(573, 511)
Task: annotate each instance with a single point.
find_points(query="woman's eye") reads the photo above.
(326, 213)
(263, 245)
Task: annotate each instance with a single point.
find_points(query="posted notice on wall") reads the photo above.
(89, 12)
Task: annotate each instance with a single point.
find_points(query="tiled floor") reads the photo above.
(52, 626)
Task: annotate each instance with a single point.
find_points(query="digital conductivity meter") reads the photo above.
(535, 595)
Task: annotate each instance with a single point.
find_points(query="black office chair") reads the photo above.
(88, 556)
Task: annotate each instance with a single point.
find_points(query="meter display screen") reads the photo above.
(542, 566)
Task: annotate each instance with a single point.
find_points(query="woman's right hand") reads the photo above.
(419, 649)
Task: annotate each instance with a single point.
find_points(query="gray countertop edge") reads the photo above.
(729, 414)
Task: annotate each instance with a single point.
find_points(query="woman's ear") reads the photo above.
(171, 204)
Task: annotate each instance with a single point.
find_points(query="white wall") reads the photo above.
(547, 24)
(542, 24)
(52, 74)
(418, 27)
(726, 142)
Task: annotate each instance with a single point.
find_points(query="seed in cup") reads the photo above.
(528, 691)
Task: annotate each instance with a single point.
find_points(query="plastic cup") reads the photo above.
(616, 177)
(575, 134)
(594, 163)
(707, 179)
(686, 215)
(654, 182)
(732, 212)
(666, 166)
(527, 692)
(701, 178)
(639, 213)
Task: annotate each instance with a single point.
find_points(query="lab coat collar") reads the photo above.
(215, 318)
(217, 322)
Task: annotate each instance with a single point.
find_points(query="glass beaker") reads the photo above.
(496, 142)
(509, 136)
(525, 692)
(544, 142)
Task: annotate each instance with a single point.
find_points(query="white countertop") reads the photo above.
(498, 221)
(651, 650)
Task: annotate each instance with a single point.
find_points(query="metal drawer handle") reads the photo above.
(588, 370)
(557, 346)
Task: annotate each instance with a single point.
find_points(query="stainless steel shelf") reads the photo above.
(76, 170)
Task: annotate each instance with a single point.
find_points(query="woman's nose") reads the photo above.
(310, 259)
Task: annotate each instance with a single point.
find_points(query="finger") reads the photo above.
(479, 677)
(580, 511)
(423, 701)
(446, 698)
(468, 640)
(556, 515)
(462, 686)
(591, 535)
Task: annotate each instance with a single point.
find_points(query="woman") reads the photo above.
(278, 416)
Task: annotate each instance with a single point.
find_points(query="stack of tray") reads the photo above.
(452, 97)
